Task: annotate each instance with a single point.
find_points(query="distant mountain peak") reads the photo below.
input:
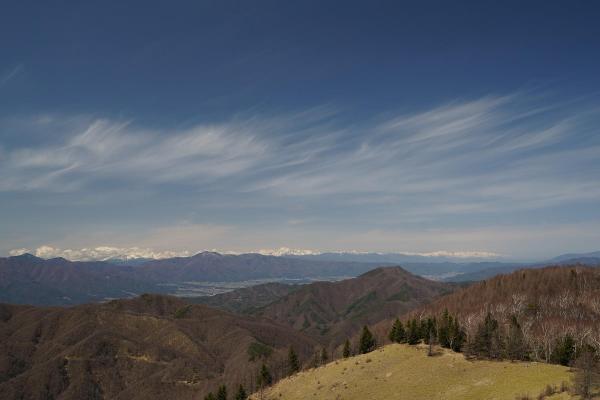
(390, 271)
(26, 256)
(208, 254)
(124, 255)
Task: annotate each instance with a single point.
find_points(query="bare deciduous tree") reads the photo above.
(587, 376)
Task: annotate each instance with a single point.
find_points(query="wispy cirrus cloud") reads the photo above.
(9, 74)
(496, 155)
(116, 150)
(473, 155)
(101, 149)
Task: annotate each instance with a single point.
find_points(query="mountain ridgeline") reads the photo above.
(216, 267)
(27, 279)
(332, 311)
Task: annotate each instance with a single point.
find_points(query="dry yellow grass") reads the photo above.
(400, 372)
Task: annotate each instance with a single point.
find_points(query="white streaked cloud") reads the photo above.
(490, 157)
(286, 251)
(116, 150)
(475, 145)
(486, 155)
(8, 75)
(457, 254)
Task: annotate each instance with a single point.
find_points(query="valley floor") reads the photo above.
(404, 372)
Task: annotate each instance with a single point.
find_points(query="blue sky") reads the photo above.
(373, 126)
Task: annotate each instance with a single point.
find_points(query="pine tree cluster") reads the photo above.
(490, 340)
(446, 331)
(222, 394)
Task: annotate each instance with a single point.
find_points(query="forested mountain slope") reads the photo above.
(333, 311)
(150, 347)
(549, 310)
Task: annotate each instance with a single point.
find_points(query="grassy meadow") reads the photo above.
(402, 372)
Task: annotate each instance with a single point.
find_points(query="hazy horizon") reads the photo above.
(107, 253)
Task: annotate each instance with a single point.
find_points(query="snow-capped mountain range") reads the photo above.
(104, 253)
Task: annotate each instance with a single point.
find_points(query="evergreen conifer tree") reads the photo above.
(264, 377)
(324, 356)
(487, 341)
(397, 334)
(423, 332)
(241, 394)
(222, 393)
(392, 334)
(367, 341)
(429, 332)
(564, 351)
(209, 396)
(459, 337)
(316, 360)
(516, 348)
(443, 333)
(413, 335)
(294, 364)
(347, 351)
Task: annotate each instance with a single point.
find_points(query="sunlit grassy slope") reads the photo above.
(405, 372)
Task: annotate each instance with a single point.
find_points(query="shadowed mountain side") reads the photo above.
(482, 274)
(150, 347)
(216, 267)
(27, 279)
(333, 311)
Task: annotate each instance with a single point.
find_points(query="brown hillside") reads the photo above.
(549, 303)
(332, 311)
(151, 347)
